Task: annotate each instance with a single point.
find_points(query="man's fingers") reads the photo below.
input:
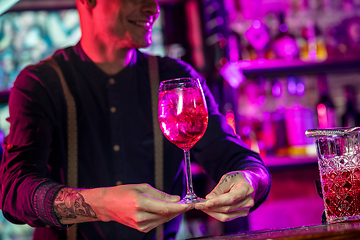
(246, 203)
(227, 182)
(218, 190)
(228, 202)
(226, 198)
(151, 205)
(154, 193)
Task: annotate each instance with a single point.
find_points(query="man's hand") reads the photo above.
(139, 206)
(232, 197)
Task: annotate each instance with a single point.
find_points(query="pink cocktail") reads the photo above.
(183, 123)
(183, 118)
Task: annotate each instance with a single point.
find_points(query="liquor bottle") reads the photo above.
(351, 116)
(284, 44)
(298, 117)
(280, 96)
(325, 108)
(312, 45)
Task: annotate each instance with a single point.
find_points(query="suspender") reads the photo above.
(158, 136)
(72, 169)
(72, 177)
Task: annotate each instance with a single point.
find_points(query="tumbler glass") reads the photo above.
(339, 167)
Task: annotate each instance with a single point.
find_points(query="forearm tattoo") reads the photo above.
(228, 176)
(70, 204)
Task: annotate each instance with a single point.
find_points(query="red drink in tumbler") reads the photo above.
(338, 152)
(183, 116)
(341, 189)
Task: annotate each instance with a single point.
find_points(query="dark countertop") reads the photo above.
(338, 231)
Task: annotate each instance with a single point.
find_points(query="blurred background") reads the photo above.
(276, 68)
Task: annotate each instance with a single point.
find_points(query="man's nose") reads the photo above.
(151, 7)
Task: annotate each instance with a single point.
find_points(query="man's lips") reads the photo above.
(143, 24)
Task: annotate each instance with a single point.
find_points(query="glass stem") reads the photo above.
(190, 190)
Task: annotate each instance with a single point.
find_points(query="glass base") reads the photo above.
(191, 199)
(343, 219)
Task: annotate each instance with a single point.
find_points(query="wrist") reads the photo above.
(43, 203)
(72, 206)
(258, 179)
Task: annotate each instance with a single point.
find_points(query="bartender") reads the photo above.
(109, 79)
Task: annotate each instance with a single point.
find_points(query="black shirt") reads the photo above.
(115, 140)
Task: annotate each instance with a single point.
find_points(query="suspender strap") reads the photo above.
(72, 169)
(158, 136)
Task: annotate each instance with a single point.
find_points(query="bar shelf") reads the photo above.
(281, 67)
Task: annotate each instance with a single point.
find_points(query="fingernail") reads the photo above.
(199, 207)
(209, 204)
(210, 196)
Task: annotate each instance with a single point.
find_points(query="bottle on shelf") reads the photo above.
(280, 97)
(298, 118)
(351, 116)
(325, 108)
(258, 38)
(312, 46)
(284, 45)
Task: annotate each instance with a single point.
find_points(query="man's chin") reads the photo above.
(144, 41)
(145, 44)
(138, 44)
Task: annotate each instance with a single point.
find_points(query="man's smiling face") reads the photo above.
(128, 22)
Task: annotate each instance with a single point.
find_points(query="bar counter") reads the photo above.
(338, 231)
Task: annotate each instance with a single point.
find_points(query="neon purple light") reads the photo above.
(292, 86)
(300, 89)
(266, 115)
(262, 99)
(276, 90)
(256, 24)
(219, 20)
(246, 130)
(283, 27)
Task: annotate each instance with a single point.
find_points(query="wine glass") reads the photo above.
(183, 118)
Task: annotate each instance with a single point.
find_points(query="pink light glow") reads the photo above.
(233, 49)
(223, 61)
(266, 115)
(223, 42)
(194, 33)
(312, 55)
(256, 24)
(232, 74)
(322, 115)
(230, 119)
